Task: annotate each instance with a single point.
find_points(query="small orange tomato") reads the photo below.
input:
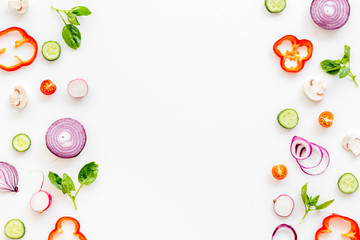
(279, 171)
(47, 87)
(326, 119)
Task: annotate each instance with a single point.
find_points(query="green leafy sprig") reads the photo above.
(86, 176)
(310, 203)
(340, 66)
(70, 33)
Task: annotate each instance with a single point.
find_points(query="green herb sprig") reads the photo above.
(70, 33)
(310, 203)
(86, 176)
(340, 66)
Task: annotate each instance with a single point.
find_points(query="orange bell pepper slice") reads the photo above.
(25, 39)
(353, 234)
(294, 54)
(59, 230)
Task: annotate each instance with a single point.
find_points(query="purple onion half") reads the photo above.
(330, 14)
(66, 138)
(9, 177)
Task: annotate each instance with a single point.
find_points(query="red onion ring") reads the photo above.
(313, 160)
(321, 167)
(66, 138)
(330, 14)
(310, 164)
(9, 177)
(300, 148)
(284, 226)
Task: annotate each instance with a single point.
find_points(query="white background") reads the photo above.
(181, 118)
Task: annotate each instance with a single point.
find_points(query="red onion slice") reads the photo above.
(9, 177)
(284, 226)
(330, 14)
(300, 148)
(66, 138)
(321, 167)
(313, 160)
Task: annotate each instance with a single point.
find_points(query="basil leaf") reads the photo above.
(346, 56)
(72, 18)
(71, 35)
(330, 66)
(344, 72)
(55, 179)
(315, 200)
(81, 11)
(304, 196)
(324, 205)
(67, 184)
(88, 173)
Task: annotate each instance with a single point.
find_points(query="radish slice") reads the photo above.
(77, 88)
(283, 205)
(41, 200)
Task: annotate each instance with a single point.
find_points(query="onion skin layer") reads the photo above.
(330, 14)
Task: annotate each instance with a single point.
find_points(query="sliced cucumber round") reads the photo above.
(21, 142)
(348, 183)
(51, 50)
(288, 118)
(14, 229)
(275, 6)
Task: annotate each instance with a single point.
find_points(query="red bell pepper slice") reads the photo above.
(25, 39)
(294, 54)
(353, 234)
(59, 230)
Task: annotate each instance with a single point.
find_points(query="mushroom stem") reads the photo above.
(21, 6)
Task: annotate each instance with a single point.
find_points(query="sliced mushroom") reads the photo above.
(19, 98)
(351, 142)
(314, 89)
(21, 6)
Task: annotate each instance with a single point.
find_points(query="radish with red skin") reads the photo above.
(77, 88)
(41, 200)
(283, 205)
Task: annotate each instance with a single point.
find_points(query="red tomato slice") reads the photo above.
(326, 119)
(279, 171)
(47, 87)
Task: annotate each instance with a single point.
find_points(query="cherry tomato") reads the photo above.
(47, 87)
(279, 171)
(326, 119)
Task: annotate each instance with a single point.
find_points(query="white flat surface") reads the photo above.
(181, 117)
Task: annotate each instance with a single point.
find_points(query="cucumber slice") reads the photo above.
(275, 6)
(21, 142)
(51, 50)
(288, 118)
(348, 183)
(14, 229)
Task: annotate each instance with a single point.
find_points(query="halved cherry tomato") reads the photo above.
(279, 171)
(47, 87)
(326, 119)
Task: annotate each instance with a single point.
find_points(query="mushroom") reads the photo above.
(19, 98)
(314, 89)
(21, 6)
(351, 142)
